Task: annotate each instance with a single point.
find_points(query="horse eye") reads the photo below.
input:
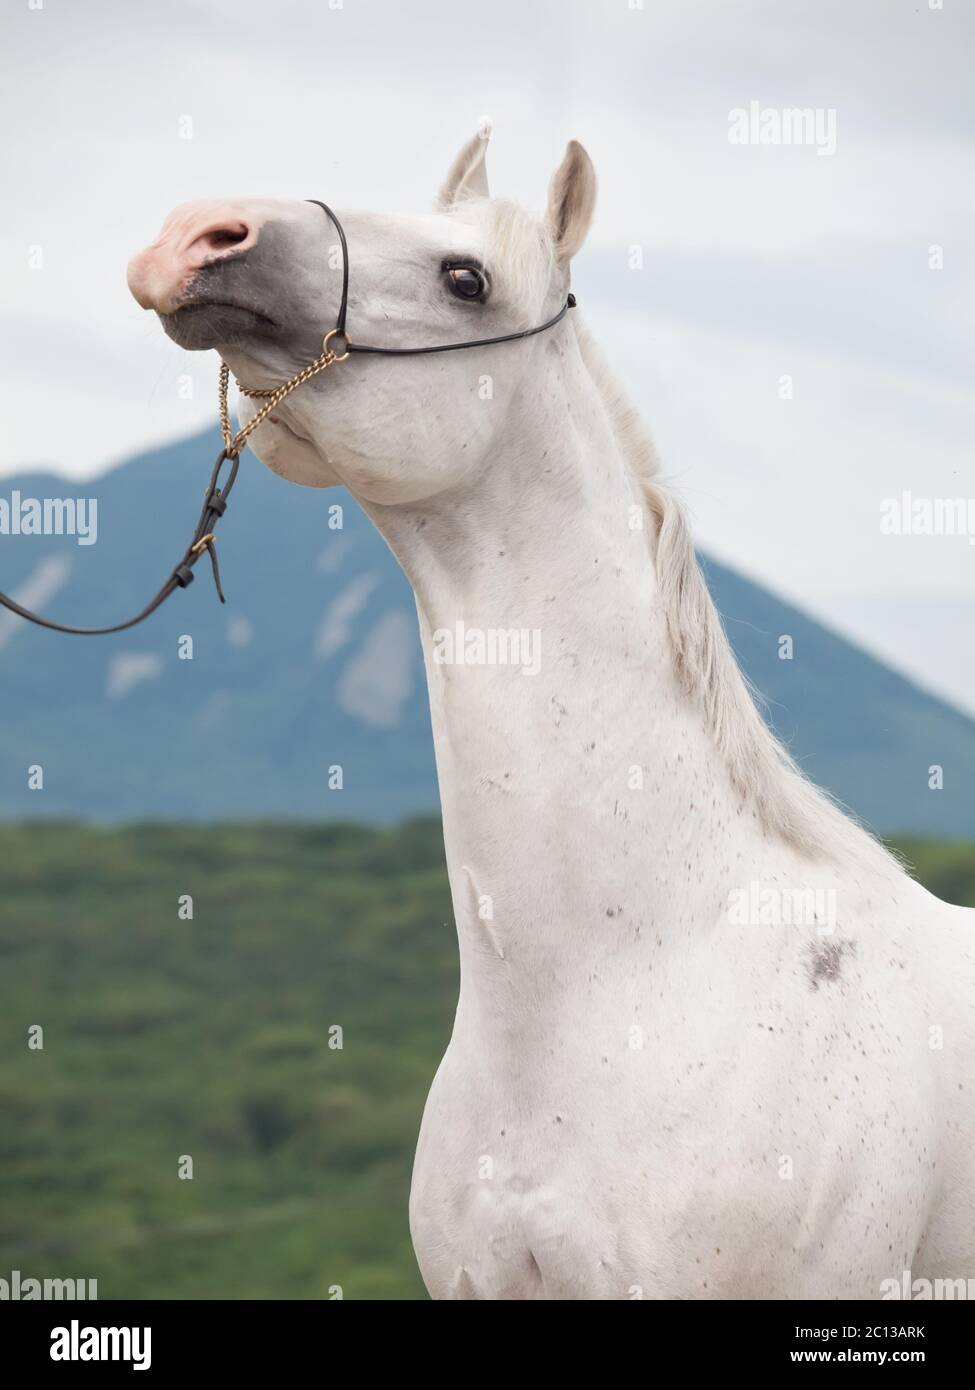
(466, 281)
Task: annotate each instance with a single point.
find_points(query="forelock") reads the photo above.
(518, 252)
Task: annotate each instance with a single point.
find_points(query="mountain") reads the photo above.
(315, 662)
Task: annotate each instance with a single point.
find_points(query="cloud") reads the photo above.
(376, 683)
(44, 581)
(128, 669)
(336, 626)
(240, 631)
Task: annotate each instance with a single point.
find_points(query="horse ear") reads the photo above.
(571, 201)
(468, 173)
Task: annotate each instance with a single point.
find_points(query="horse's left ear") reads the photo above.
(571, 201)
(468, 173)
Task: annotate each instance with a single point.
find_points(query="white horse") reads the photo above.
(711, 1041)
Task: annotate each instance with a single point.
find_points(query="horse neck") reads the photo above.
(574, 799)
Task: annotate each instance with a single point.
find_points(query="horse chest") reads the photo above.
(517, 1238)
(515, 1198)
(690, 1173)
(548, 1222)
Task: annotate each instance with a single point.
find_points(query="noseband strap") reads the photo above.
(344, 303)
(215, 497)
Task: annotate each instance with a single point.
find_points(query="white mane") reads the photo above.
(787, 803)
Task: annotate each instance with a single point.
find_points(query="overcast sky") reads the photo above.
(759, 261)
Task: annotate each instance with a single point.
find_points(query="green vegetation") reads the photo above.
(165, 1037)
(946, 867)
(210, 1037)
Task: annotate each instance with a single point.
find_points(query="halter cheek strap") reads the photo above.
(353, 346)
(570, 303)
(215, 497)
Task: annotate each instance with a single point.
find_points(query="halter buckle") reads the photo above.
(332, 333)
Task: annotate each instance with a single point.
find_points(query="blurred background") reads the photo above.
(795, 326)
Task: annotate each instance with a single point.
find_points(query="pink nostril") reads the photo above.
(194, 237)
(217, 240)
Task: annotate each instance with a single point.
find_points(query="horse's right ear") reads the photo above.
(468, 174)
(571, 202)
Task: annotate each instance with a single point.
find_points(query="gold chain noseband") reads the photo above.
(272, 396)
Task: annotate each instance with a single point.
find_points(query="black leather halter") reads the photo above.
(352, 346)
(215, 497)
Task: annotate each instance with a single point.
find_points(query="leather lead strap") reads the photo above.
(214, 506)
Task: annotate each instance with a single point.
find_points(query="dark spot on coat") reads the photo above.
(826, 959)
